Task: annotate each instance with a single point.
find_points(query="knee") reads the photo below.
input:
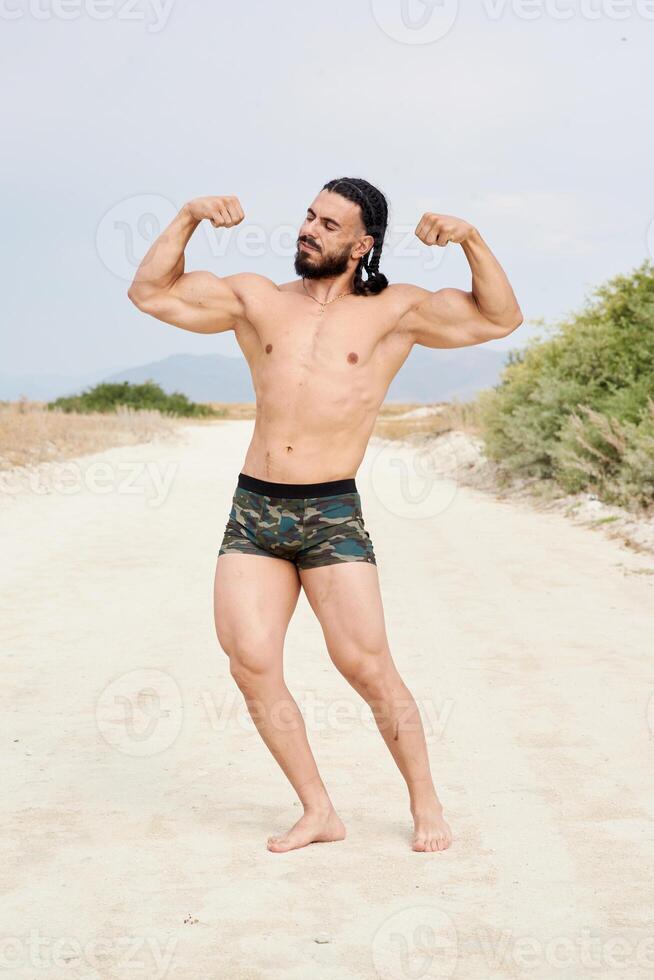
(369, 670)
(251, 663)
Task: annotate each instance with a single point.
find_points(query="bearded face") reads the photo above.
(312, 263)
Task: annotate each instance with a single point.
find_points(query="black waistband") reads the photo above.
(247, 482)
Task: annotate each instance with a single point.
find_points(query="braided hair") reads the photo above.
(374, 211)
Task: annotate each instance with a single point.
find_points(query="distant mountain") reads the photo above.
(43, 387)
(441, 375)
(426, 376)
(202, 377)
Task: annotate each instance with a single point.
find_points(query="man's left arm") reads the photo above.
(454, 317)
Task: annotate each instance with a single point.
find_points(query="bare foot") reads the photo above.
(313, 827)
(431, 832)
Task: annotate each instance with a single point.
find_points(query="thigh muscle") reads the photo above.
(254, 599)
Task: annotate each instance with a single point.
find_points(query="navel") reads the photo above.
(352, 357)
(289, 449)
(268, 348)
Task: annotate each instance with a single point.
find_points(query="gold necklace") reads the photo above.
(327, 302)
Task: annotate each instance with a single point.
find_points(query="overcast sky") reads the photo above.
(531, 120)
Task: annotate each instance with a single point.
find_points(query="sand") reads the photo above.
(137, 795)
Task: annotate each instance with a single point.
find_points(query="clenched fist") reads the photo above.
(222, 212)
(439, 229)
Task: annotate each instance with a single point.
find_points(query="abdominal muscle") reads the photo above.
(319, 384)
(310, 432)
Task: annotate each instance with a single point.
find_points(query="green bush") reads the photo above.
(577, 407)
(637, 474)
(107, 397)
(615, 457)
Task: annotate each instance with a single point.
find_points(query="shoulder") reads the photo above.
(294, 286)
(402, 299)
(246, 284)
(404, 295)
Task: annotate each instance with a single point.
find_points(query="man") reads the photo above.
(323, 350)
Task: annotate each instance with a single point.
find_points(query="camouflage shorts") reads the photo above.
(310, 531)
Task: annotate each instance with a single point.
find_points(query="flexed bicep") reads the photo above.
(198, 301)
(447, 318)
(455, 317)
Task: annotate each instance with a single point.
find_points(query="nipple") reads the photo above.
(352, 357)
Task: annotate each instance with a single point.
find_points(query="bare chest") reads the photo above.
(292, 336)
(348, 354)
(298, 347)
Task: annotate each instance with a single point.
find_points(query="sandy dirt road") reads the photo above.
(137, 795)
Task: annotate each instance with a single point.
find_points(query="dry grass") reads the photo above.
(444, 417)
(233, 410)
(425, 420)
(31, 434)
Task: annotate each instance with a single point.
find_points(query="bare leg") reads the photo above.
(347, 601)
(254, 599)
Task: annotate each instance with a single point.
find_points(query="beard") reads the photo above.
(315, 265)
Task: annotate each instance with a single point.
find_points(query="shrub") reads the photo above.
(577, 407)
(106, 397)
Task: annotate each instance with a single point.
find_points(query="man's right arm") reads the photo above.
(197, 301)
